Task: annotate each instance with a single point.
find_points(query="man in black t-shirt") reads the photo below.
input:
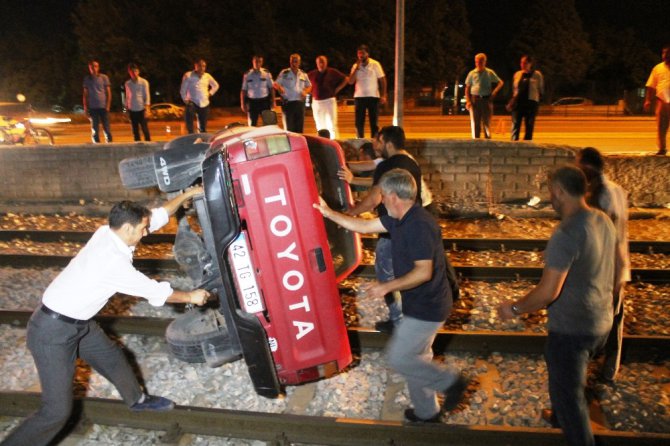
(420, 275)
(390, 143)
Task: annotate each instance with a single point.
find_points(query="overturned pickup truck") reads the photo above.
(263, 249)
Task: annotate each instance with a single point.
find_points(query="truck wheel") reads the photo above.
(138, 173)
(200, 336)
(188, 140)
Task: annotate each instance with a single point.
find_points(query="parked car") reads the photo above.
(569, 106)
(573, 102)
(165, 110)
(272, 260)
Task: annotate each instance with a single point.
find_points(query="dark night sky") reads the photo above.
(493, 24)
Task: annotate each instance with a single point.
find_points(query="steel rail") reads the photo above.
(284, 429)
(450, 243)
(484, 273)
(368, 338)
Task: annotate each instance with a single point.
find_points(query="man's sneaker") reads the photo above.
(662, 152)
(412, 418)
(155, 403)
(454, 393)
(386, 326)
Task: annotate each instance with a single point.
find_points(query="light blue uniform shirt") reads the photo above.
(293, 84)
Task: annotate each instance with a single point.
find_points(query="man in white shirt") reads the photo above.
(138, 101)
(369, 90)
(196, 88)
(658, 86)
(61, 329)
(481, 87)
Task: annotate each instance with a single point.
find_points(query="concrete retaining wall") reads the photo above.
(460, 172)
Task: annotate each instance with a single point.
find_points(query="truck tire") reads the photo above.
(138, 173)
(188, 140)
(199, 336)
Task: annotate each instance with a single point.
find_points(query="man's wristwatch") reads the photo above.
(515, 309)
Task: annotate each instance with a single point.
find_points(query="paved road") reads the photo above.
(623, 135)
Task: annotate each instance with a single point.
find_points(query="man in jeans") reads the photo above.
(97, 101)
(576, 287)
(138, 100)
(390, 143)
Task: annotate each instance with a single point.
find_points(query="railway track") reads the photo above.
(474, 244)
(285, 429)
(488, 273)
(364, 338)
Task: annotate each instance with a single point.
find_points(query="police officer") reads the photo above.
(293, 84)
(257, 93)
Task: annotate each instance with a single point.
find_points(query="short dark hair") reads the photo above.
(571, 179)
(590, 156)
(133, 66)
(127, 212)
(528, 57)
(369, 150)
(395, 135)
(399, 182)
(363, 48)
(324, 133)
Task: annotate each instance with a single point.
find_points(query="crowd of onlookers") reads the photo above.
(322, 85)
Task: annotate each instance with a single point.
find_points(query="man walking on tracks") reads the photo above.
(390, 143)
(610, 198)
(420, 268)
(61, 328)
(576, 287)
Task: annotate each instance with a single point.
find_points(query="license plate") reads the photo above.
(244, 274)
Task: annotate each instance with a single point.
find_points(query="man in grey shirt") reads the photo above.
(97, 101)
(576, 287)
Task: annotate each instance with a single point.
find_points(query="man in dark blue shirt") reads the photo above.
(420, 268)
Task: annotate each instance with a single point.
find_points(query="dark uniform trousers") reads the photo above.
(256, 107)
(294, 116)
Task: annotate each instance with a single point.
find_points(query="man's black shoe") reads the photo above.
(412, 418)
(549, 416)
(454, 394)
(153, 403)
(662, 152)
(386, 326)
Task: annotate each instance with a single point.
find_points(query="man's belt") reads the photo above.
(61, 317)
(481, 97)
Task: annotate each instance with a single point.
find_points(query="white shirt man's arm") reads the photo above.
(183, 90)
(213, 86)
